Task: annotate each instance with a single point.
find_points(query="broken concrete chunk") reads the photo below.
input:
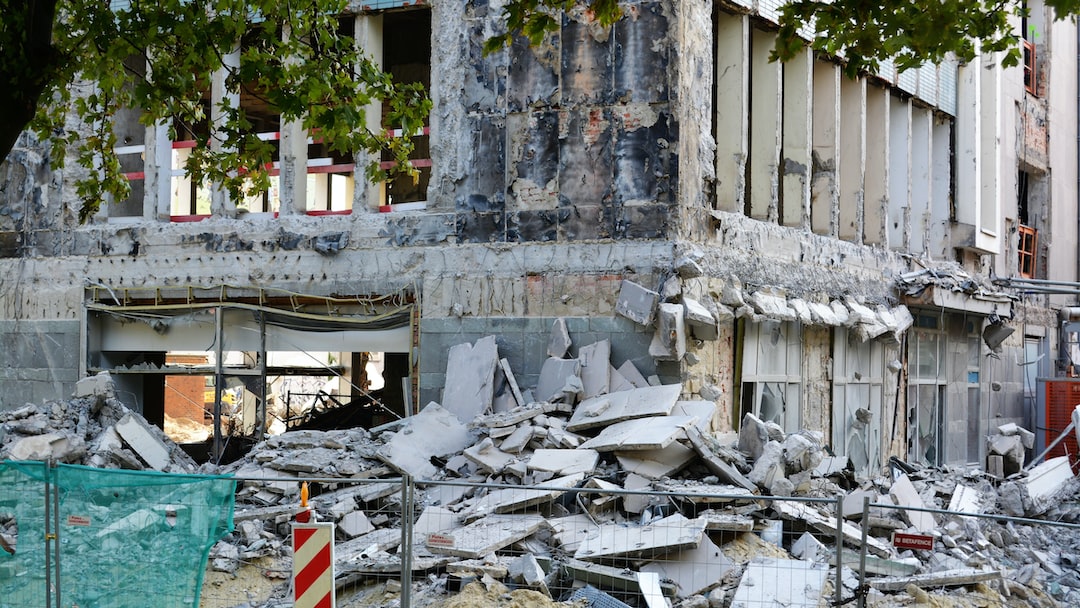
(136, 434)
(517, 440)
(655, 464)
(564, 462)
(636, 503)
(693, 570)
(769, 466)
(659, 537)
(753, 435)
(595, 368)
(636, 303)
(808, 548)
(512, 500)
(632, 375)
(433, 432)
(948, 578)
(484, 536)
(511, 383)
(905, 495)
(559, 344)
(488, 457)
(354, 524)
(701, 321)
(669, 341)
(1026, 436)
(1044, 480)
(771, 306)
(781, 582)
(470, 378)
(616, 407)
(60, 447)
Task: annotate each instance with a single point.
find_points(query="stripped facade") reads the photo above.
(861, 244)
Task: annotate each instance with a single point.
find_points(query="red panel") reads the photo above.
(1062, 397)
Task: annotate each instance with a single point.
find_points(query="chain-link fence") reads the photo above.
(87, 537)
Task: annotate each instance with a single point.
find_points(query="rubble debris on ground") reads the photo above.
(535, 495)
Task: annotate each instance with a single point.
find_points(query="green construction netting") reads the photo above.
(127, 539)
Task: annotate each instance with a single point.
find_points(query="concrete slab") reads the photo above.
(965, 500)
(1043, 481)
(632, 375)
(511, 381)
(669, 341)
(716, 463)
(554, 375)
(947, 578)
(660, 537)
(516, 441)
(694, 571)
(729, 522)
(781, 582)
(559, 343)
(653, 433)
(705, 493)
(354, 524)
(564, 462)
(811, 516)
(135, 433)
(488, 457)
(511, 500)
(636, 503)
(483, 536)
(753, 435)
(905, 495)
(636, 303)
(879, 566)
(470, 378)
(435, 431)
(595, 368)
(570, 531)
(655, 464)
(616, 407)
(704, 411)
(433, 519)
(622, 580)
(651, 591)
(617, 382)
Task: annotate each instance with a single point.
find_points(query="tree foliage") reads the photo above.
(87, 60)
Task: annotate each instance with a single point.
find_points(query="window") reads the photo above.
(1031, 72)
(771, 378)
(926, 391)
(858, 389)
(1028, 236)
(1026, 249)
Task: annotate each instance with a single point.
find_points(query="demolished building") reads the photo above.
(888, 260)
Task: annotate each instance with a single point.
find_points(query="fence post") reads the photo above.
(840, 551)
(406, 540)
(861, 591)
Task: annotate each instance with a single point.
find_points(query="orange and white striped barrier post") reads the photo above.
(313, 560)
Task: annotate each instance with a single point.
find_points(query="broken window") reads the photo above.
(772, 359)
(926, 390)
(219, 375)
(1028, 236)
(858, 389)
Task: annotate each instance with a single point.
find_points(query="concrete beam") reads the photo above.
(732, 109)
(987, 237)
(922, 121)
(898, 221)
(368, 32)
(766, 126)
(797, 139)
(220, 95)
(852, 158)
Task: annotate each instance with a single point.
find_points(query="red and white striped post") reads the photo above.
(313, 560)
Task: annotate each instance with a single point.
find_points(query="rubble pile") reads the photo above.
(604, 482)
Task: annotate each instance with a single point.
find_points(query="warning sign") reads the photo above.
(922, 542)
(78, 520)
(440, 540)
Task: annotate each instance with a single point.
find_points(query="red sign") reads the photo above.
(922, 542)
(440, 540)
(78, 520)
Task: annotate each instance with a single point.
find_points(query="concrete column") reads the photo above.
(158, 163)
(921, 152)
(368, 34)
(766, 127)
(938, 237)
(797, 138)
(824, 187)
(990, 199)
(876, 182)
(898, 222)
(968, 143)
(292, 160)
(220, 201)
(732, 109)
(852, 158)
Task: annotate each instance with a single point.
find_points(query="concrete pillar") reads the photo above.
(852, 158)
(898, 222)
(968, 143)
(824, 187)
(876, 182)
(921, 153)
(990, 199)
(766, 126)
(940, 226)
(797, 138)
(732, 109)
(158, 194)
(292, 159)
(368, 34)
(220, 201)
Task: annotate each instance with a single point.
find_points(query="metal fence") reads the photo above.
(405, 543)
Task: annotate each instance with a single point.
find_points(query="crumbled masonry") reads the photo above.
(635, 436)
